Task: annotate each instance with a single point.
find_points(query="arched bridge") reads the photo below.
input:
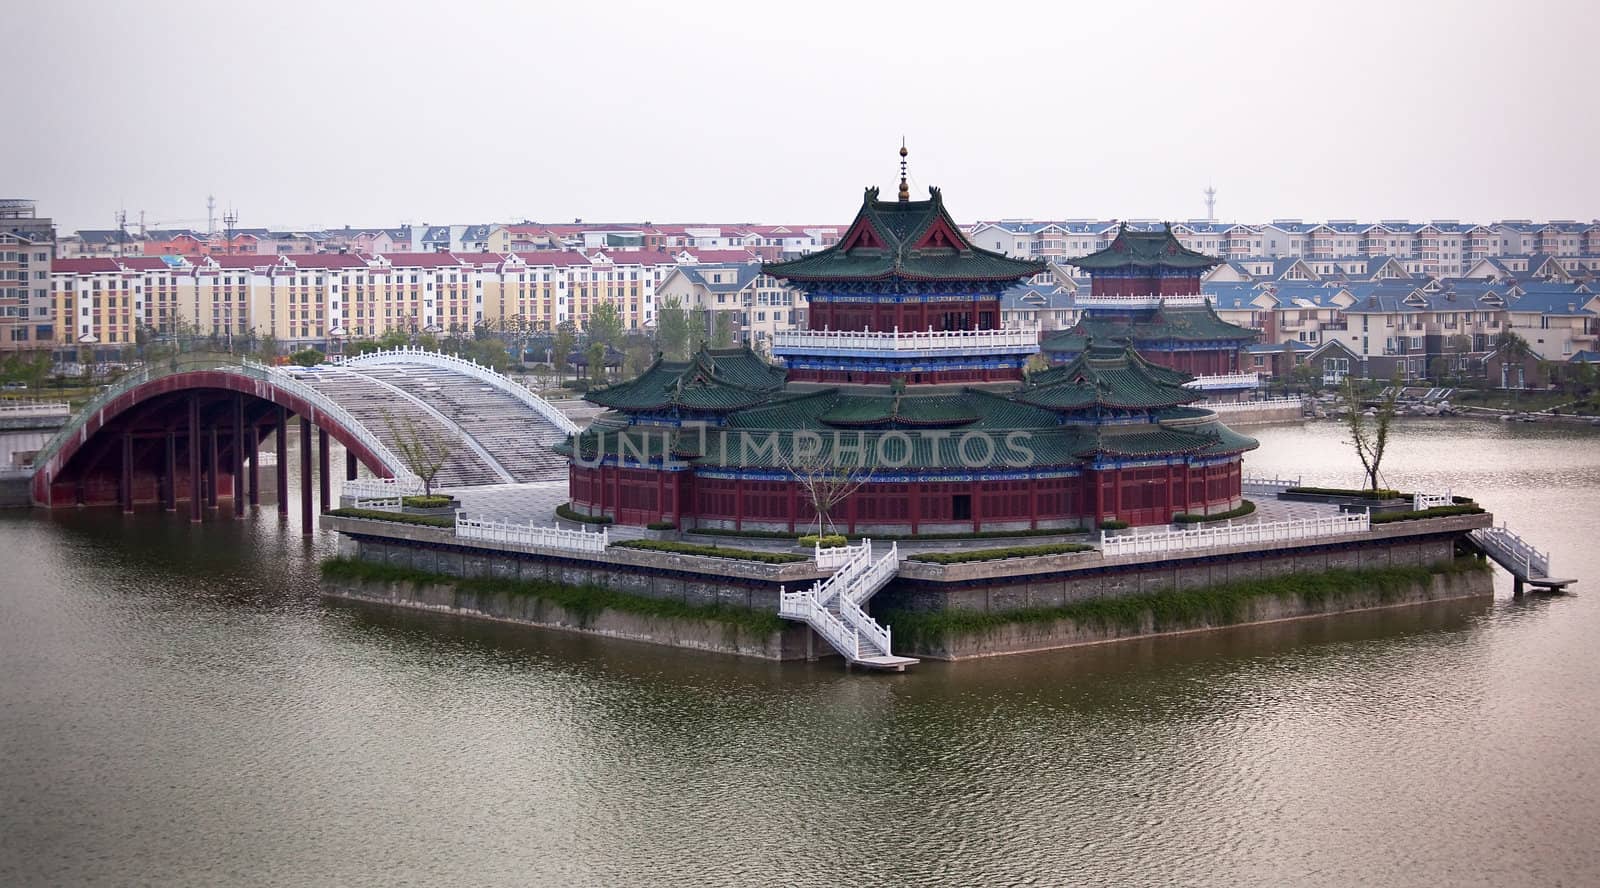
(192, 429)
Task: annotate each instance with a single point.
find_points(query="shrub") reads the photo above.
(566, 511)
(1244, 509)
(1113, 525)
(306, 357)
(582, 602)
(1382, 493)
(997, 554)
(435, 501)
(711, 551)
(826, 541)
(396, 517)
(1468, 508)
(661, 525)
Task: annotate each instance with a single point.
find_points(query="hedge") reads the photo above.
(582, 602)
(1113, 525)
(1244, 509)
(661, 525)
(1435, 512)
(565, 511)
(997, 554)
(711, 551)
(396, 517)
(426, 502)
(827, 541)
(1381, 493)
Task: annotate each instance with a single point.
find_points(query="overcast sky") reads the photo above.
(332, 113)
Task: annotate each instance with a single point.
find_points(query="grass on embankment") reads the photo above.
(1171, 609)
(582, 602)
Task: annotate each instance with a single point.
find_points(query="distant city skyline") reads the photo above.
(721, 112)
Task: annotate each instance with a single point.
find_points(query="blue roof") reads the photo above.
(1553, 299)
(1231, 295)
(1587, 356)
(745, 272)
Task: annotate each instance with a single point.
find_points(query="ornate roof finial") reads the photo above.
(905, 188)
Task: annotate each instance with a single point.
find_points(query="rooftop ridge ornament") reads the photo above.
(905, 187)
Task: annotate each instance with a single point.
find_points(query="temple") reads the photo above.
(1145, 290)
(907, 399)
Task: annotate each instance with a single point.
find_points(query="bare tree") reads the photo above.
(423, 447)
(823, 478)
(1370, 439)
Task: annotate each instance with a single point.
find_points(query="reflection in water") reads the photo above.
(179, 707)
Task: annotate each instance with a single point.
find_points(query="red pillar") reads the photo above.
(127, 472)
(238, 456)
(194, 458)
(213, 468)
(324, 477)
(914, 508)
(169, 487)
(283, 464)
(977, 506)
(738, 504)
(305, 476)
(254, 473)
(1033, 504)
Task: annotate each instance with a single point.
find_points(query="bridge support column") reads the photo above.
(283, 464)
(213, 468)
(127, 473)
(305, 476)
(195, 493)
(324, 477)
(238, 456)
(169, 483)
(349, 465)
(254, 471)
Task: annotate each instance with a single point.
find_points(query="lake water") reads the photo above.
(178, 707)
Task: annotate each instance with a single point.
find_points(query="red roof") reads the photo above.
(723, 255)
(327, 260)
(640, 257)
(553, 257)
(422, 260)
(243, 261)
(84, 266)
(145, 263)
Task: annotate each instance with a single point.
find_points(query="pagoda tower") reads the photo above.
(904, 297)
(1145, 290)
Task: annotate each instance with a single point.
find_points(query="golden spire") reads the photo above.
(905, 189)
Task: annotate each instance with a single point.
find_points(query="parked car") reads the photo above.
(15, 387)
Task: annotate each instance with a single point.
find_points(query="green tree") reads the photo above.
(424, 447)
(639, 357)
(267, 348)
(672, 329)
(1037, 363)
(394, 337)
(722, 335)
(1370, 439)
(596, 356)
(306, 357)
(605, 324)
(561, 349)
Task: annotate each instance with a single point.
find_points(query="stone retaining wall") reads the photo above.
(793, 642)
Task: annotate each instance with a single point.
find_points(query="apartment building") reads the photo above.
(761, 306)
(27, 250)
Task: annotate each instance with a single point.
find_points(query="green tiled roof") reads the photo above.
(1145, 249)
(1181, 323)
(900, 228)
(1107, 376)
(717, 380)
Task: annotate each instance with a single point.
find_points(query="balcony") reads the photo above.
(1141, 300)
(928, 343)
(1224, 381)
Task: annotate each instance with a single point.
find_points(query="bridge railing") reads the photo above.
(490, 530)
(490, 375)
(35, 408)
(382, 488)
(1273, 485)
(1261, 404)
(1237, 534)
(1420, 501)
(278, 377)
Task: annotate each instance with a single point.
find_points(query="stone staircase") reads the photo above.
(1518, 556)
(833, 607)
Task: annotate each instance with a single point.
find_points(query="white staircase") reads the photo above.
(1518, 556)
(833, 606)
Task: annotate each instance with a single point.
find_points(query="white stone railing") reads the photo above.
(1420, 501)
(1269, 485)
(35, 408)
(1010, 340)
(1262, 404)
(408, 355)
(283, 378)
(853, 616)
(857, 578)
(834, 557)
(1514, 552)
(803, 605)
(1224, 381)
(873, 574)
(382, 502)
(382, 488)
(1233, 535)
(1141, 300)
(530, 535)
